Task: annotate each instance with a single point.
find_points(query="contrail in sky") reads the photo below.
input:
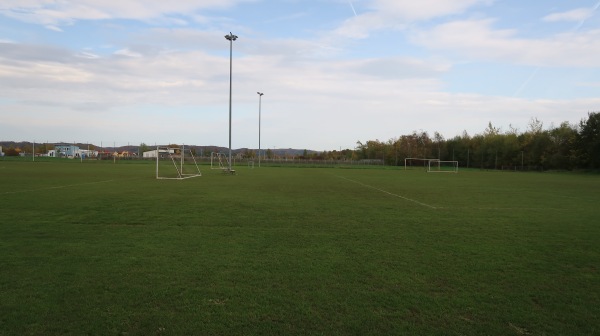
(352, 6)
(583, 21)
(535, 71)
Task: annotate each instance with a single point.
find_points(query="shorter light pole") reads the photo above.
(260, 94)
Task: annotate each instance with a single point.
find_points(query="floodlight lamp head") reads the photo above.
(260, 93)
(231, 37)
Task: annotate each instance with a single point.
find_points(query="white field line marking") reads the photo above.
(57, 187)
(449, 208)
(499, 209)
(389, 193)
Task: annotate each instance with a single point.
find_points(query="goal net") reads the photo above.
(417, 163)
(218, 161)
(442, 167)
(176, 163)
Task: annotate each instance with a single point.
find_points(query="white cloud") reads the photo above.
(424, 9)
(305, 99)
(576, 15)
(128, 53)
(476, 39)
(55, 28)
(55, 13)
(398, 14)
(87, 54)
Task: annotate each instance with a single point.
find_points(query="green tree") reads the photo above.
(562, 153)
(589, 140)
(143, 148)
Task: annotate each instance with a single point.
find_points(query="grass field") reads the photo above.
(106, 249)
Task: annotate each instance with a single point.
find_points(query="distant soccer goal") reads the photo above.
(417, 163)
(176, 163)
(442, 167)
(218, 161)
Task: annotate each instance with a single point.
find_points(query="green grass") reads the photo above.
(102, 248)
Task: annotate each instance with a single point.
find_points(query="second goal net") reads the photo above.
(176, 163)
(218, 161)
(442, 166)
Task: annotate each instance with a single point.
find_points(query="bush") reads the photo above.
(11, 152)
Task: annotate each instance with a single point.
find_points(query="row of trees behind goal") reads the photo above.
(563, 147)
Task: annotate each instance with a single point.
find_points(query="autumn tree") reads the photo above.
(11, 152)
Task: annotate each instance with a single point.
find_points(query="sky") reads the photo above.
(333, 72)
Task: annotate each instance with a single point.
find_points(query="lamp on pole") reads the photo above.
(260, 94)
(231, 38)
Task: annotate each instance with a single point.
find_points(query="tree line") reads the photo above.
(563, 147)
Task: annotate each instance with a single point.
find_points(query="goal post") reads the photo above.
(176, 163)
(442, 167)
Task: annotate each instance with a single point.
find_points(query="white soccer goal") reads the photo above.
(218, 161)
(442, 166)
(412, 163)
(176, 163)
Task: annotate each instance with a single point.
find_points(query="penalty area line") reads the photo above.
(389, 193)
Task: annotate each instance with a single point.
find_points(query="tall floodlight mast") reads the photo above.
(260, 94)
(231, 38)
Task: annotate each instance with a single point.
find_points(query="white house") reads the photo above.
(64, 150)
(71, 151)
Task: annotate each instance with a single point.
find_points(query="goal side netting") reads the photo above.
(442, 167)
(176, 163)
(218, 161)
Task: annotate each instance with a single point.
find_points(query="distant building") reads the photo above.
(72, 151)
(1, 152)
(88, 153)
(64, 151)
(153, 153)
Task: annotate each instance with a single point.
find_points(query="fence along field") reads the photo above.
(98, 247)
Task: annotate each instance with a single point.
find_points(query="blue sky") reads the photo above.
(332, 71)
